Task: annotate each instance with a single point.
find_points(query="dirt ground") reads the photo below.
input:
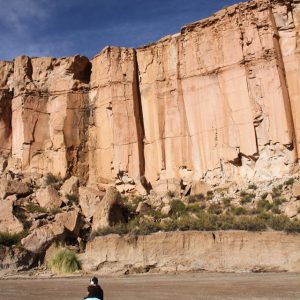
(158, 287)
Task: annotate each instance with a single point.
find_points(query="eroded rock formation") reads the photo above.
(216, 102)
(194, 251)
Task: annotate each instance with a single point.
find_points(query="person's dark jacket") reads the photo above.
(95, 291)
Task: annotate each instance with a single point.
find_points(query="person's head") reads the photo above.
(94, 281)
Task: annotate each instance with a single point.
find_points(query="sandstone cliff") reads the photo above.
(216, 102)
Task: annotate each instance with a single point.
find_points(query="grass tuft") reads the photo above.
(64, 261)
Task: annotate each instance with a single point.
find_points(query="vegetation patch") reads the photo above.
(10, 239)
(64, 261)
(177, 208)
(35, 208)
(53, 180)
(196, 198)
(247, 198)
(72, 198)
(290, 181)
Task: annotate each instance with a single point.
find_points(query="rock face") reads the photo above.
(216, 102)
(12, 187)
(8, 222)
(109, 211)
(194, 251)
(48, 197)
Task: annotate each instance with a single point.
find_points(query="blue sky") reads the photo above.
(67, 27)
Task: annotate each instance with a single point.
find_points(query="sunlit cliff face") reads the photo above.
(216, 102)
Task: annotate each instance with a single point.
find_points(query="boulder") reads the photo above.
(16, 258)
(292, 209)
(269, 198)
(11, 187)
(8, 222)
(70, 220)
(70, 186)
(143, 208)
(200, 187)
(296, 189)
(109, 211)
(48, 197)
(166, 210)
(39, 239)
(89, 199)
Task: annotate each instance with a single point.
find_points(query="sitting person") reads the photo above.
(94, 290)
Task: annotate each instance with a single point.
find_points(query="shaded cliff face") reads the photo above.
(216, 102)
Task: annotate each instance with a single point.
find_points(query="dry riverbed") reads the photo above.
(160, 287)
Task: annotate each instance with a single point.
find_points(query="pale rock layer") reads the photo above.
(194, 251)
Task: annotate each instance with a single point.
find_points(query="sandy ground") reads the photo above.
(150, 287)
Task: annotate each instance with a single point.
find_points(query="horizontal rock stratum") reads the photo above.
(222, 251)
(218, 101)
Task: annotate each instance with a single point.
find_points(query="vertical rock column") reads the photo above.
(48, 118)
(287, 21)
(115, 133)
(167, 144)
(6, 72)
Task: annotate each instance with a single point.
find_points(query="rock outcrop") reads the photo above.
(216, 102)
(194, 251)
(8, 221)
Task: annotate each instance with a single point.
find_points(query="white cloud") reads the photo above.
(17, 15)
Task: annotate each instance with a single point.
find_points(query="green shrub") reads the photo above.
(252, 187)
(279, 223)
(210, 195)
(225, 222)
(169, 225)
(64, 261)
(194, 208)
(206, 222)
(72, 198)
(264, 196)
(264, 204)
(119, 228)
(289, 181)
(215, 209)
(247, 198)
(196, 198)
(156, 214)
(276, 191)
(52, 179)
(278, 201)
(226, 201)
(129, 207)
(177, 208)
(145, 227)
(293, 226)
(243, 193)
(10, 239)
(238, 211)
(249, 223)
(35, 208)
(54, 210)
